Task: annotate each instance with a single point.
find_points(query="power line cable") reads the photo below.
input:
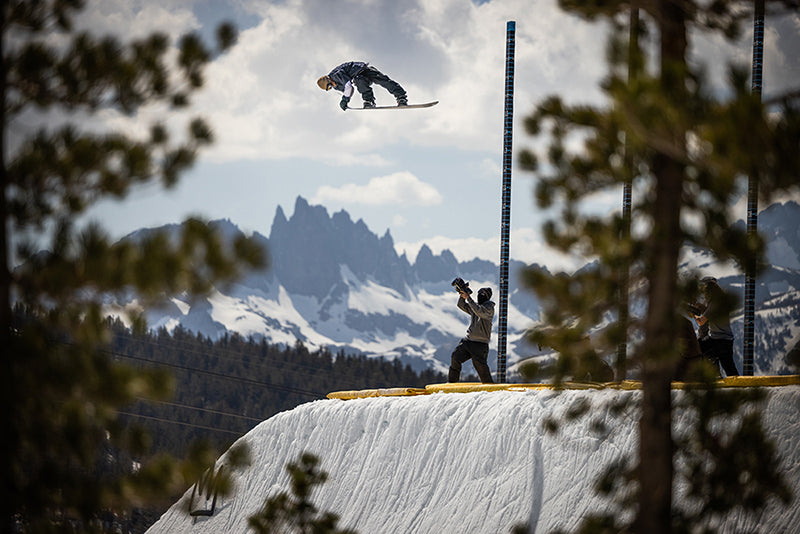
(206, 410)
(190, 348)
(161, 420)
(211, 373)
(218, 375)
(220, 352)
(204, 372)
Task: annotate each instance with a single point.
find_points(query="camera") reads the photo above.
(695, 308)
(461, 286)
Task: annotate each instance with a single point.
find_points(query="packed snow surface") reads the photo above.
(463, 462)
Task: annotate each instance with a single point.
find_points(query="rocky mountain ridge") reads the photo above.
(333, 282)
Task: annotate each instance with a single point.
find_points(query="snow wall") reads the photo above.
(461, 463)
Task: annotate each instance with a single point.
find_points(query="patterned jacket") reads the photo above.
(342, 76)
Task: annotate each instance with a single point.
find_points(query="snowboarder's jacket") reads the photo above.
(480, 327)
(343, 75)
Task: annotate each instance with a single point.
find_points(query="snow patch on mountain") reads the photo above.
(333, 283)
(692, 259)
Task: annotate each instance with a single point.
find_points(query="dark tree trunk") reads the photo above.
(655, 446)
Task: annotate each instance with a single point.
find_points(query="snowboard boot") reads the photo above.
(369, 104)
(402, 101)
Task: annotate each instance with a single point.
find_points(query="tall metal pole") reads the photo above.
(752, 202)
(505, 219)
(633, 69)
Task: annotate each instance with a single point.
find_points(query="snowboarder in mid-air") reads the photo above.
(361, 76)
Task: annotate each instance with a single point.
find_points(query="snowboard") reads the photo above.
(409, 106)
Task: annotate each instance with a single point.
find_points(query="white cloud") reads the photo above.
(492, 168)
(263, 103)
(262, 99)
(271, 120)
(400, 188)
(133, 19)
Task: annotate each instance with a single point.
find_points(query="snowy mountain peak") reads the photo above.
(333, 282)
(778, 226)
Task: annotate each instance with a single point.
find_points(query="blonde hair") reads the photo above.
(324, 83)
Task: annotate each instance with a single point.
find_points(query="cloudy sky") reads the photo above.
(427, 176)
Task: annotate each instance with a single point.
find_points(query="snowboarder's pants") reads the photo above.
(720, 351)
(370, 75)
(465, 350)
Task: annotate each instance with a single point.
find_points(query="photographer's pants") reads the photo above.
(465, 350)
(720, 351)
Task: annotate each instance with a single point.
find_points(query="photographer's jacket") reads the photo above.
(480, 327)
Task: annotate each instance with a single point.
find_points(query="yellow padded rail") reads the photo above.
(380, 392)
(731, 381)
(466, 387)
(767, 381)
(472, 387)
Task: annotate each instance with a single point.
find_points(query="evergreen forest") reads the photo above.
(224, 388)
(221, 389)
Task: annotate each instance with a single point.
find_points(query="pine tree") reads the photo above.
(686, 153)
(284, 513)
(61, 391)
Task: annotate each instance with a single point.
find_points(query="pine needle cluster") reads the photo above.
(62, 393)
(686, 152)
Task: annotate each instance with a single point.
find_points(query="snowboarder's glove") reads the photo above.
(343, 103)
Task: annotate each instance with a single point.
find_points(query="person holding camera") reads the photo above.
(714, 332)
(475, 345)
